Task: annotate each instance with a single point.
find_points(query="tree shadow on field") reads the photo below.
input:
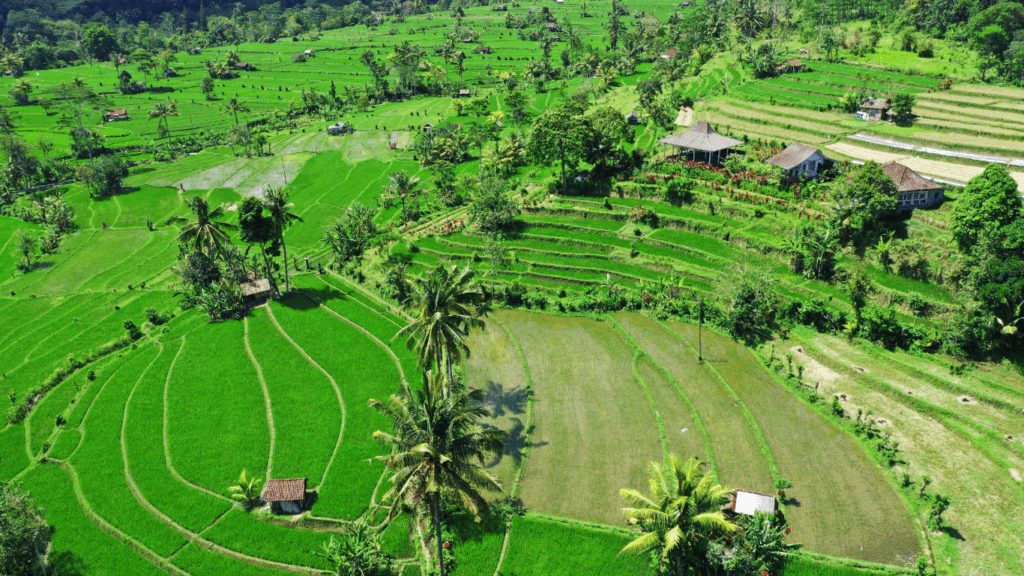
(322, 295)
(791, 502)
(299, 301)
(499, 400)
(953, 533)
(66, 564)
(514, 443)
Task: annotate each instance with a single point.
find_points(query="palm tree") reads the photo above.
(402, 186)
(440, 450)
(247, 491)
(445, 305)
(234, 106)
(162, 112)
(680, 518)
(279, 209)
(21, 91)
(204, 231)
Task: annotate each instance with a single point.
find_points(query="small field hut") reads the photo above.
(485, 50)
(873, 109)
(195, 52)
(285, 496)
(308, 53)
(800, 160)
(339, 128)
(915, 191)
(464, 93)
(116, 115)
(552, 26)
(428, 127)
(701, 137)
(788, 66)
(255, 291)
(749, 503)
(245, 66)
(670, 54)
(632, 119)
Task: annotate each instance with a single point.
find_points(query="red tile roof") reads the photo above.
(907, 179)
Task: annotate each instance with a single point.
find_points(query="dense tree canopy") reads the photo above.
(988, 202)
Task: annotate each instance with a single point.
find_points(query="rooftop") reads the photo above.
(284, 490)
(907, 179)
(701, 136)
(794, 155)
(750, 502)
(256, 287)
(874, 103)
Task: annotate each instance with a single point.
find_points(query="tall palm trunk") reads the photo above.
(266, 262)
(284, 248)
(436, 505)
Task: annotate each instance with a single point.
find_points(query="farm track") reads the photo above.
(266, 398)
(166, 440)
(334, 385)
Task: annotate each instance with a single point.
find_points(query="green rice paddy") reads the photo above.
(151, 436)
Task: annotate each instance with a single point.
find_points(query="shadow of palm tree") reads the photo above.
(515, 443)
(501, 401)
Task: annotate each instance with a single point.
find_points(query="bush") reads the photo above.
(105, 177)
(679, 191)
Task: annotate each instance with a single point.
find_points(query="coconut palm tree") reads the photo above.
(204, 232)
(402, 186)
(445, 303)
(280, 211)
(21, 91)
(682, 516)
(234, 106)
(162, 112)
(440, 450)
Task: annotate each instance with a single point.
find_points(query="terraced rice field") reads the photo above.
(727, 410)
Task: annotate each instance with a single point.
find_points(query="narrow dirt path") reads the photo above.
(266, 395)
(526, 450)
(334, 384)
(167, 445)
(394, 357)
(114, 531)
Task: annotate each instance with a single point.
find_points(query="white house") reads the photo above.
(800, 160)
(914, 190)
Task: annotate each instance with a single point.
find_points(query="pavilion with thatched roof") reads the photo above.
(701, 137)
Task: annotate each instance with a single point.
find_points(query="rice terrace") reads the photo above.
(552, 288)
